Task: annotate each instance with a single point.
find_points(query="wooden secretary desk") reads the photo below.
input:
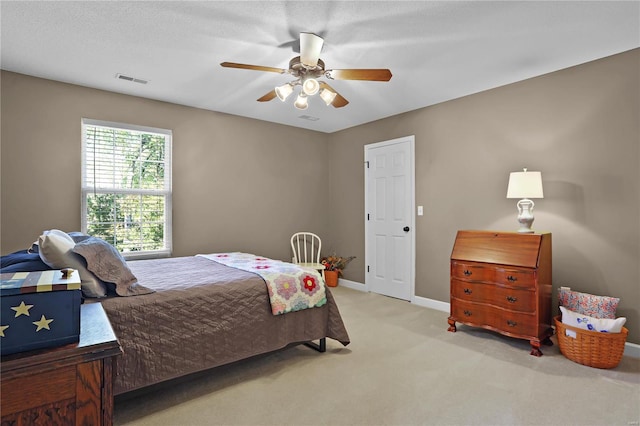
(501, 281)
(65, 385)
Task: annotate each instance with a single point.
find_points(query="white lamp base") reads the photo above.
(525, 215)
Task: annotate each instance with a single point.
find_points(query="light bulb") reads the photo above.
(310, 86)
(284, 91)
(301, 102)
(327, 96)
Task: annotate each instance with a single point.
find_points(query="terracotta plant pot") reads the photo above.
(331, 278)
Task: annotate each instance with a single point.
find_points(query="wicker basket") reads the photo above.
(591, 348)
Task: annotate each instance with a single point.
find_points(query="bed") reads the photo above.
(177, 316)
(204, 314)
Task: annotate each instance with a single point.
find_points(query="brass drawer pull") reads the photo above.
(467, 313)
(467, 272)
(512, 279)
(511, 323)
(511, 299)
(467, 291)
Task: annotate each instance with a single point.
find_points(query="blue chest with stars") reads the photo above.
(39, 310)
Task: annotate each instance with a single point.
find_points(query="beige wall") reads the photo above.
(579, 127)
(238, 184)
(234, 190)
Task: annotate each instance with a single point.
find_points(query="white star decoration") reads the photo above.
(43, 323)
(22, 309)
(2, 329)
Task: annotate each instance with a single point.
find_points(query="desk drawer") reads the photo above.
(471, 272)
(504, 297)
(515, 277)
(510, 322)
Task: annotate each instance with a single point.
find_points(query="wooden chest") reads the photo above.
(65, 385)
(501, 281)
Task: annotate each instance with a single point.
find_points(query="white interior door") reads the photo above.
(389, 221)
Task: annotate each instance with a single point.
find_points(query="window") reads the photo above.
(126, 187)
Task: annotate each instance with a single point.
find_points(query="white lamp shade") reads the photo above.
(284, 91)
(525, 185)
(310, 86)
(327, 96)
(301, 101)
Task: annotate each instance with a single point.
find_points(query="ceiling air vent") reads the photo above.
(132, 79)
(308, 117)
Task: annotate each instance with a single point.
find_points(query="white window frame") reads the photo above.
(166, 191)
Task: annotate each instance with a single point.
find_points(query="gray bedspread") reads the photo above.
(203, 315)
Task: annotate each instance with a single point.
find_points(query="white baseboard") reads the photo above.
(630, 349)
(354, 285)
(431, 304)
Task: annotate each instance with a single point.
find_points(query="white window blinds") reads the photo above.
(126, 187)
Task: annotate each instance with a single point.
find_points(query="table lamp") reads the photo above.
(525, 185)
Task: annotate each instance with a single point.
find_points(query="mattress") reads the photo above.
(203, 315)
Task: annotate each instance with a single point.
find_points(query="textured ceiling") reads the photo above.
(437, 51)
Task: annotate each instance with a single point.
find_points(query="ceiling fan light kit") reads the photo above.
(308, 68)
(327, 96)
(284, 91)
(301, 102)
(310, 86)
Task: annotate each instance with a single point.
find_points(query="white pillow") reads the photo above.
(585, 322)
(53, 246)
(55, 251)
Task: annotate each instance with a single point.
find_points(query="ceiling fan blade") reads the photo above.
(310, 47)
(268, 96)
(253, 67)
(360, 74)
(338, 101)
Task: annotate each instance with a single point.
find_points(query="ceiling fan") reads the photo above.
(307, 69)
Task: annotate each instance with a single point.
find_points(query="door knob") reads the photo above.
(406, 229)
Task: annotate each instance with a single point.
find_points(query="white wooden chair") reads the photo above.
(306, 248)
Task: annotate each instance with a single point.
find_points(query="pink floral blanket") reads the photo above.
(291, 287)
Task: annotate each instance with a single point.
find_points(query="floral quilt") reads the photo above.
(291, 287)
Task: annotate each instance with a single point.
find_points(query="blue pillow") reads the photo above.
(22, 261)
(78, 237)
(17, 257)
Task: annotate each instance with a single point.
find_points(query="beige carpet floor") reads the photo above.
(402, 368)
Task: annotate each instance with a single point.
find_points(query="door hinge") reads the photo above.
(367, 268)
(367, 163)
(368, 216)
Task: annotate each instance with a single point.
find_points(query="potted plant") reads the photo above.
(333, 266)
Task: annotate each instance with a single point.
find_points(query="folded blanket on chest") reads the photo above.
(291, 287)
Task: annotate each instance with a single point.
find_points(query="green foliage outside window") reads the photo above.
(126, 198)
